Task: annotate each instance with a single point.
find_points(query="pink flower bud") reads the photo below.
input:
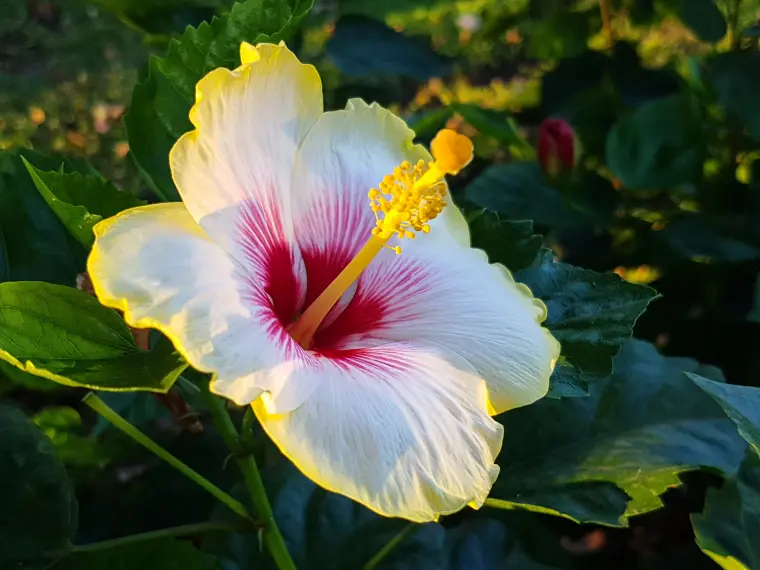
(557, 147)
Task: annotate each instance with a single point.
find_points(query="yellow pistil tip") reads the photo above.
(451, 151)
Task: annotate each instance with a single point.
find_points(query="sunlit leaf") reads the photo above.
(728, 528)
(591, 315)
(36, 244)
(39, 510)
(66, 336)
(509, 242)
(638, 430)
(741, 404)
(158, 113)
(80, 201)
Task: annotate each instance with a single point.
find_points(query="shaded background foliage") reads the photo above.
(643, 456)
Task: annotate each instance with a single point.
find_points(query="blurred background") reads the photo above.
(646, 167)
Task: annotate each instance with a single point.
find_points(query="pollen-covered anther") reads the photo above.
(405, 202)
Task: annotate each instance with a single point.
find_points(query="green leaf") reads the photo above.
(163, 554)
(728, 528)
(158, 113)
(693, 236)
(521, 191)
(363, 46)
(735, 78)
(741, 404)
(34, 245)
(162, 16)
(591, 314)
(80, 201)
(660, 144)
(39, 510)
(564, 35)
(63, 425)
(509, 242)
(638, 430)
(593, 501)
(497, 124)
(324, 530)
(66, 336)
(427, 123)
(702, 16)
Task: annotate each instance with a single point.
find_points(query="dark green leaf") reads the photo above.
(592, 501)
(162, 16)
(66, 336)
(729, 527)
(741, 404)
(638, 430)
(326, 531)
(564, 35)
(164, 554)
(426, 124)
(80, 201)
(158, 113)
(363, 46)
(36, 245)
(64, 427)
(496, 124)
(39, 510)
(381, 9)
(660, 144)
(703, 17)
(735, 77)
(692, 236)
(509, 242)
(520, 191)
(591, 314)
(638, 84)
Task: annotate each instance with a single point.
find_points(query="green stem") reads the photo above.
(173, 532)
(606, 12)
(273, 539)
(733, 25)
(94, 402)
(390, 545)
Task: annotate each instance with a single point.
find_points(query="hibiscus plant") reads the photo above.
(383, 364)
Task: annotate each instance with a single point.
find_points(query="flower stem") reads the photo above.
(173, 532)
(94, 402)
(390, 545)
(604, 8)
(273, 539)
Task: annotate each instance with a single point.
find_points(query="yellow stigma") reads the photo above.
(405, 202)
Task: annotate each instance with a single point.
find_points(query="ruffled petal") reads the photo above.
(451, 297)
(401, 429)
(344, 155)
(234, 170)
(157, 265)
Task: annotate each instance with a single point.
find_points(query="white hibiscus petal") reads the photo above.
(344, 155)
(453, 298)
(401, 429)
(234, 170)
(157, 265)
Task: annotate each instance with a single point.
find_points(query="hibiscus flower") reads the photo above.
(317, 268)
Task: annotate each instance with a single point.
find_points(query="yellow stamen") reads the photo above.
(405, 202)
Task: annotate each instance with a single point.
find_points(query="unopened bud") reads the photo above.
(558, 147)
